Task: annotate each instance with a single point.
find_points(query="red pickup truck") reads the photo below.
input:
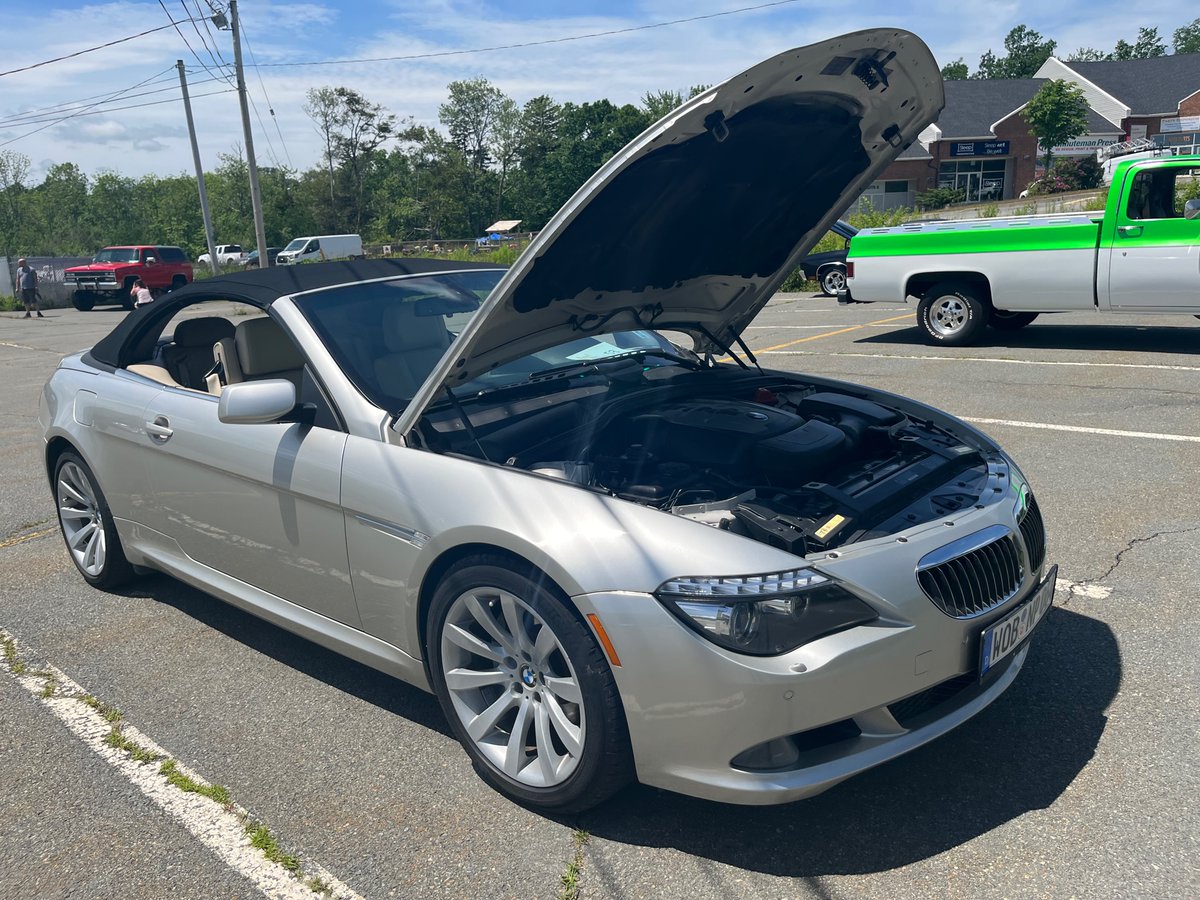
(108, 277)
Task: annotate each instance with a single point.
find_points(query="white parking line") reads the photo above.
(222, 829)
(1151, 435)
(991, 359)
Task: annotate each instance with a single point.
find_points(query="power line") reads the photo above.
(191, 49)
(267, 97)
(131, 37)
(102, 112)
(67, 104)
(33, 117)
(561, 40)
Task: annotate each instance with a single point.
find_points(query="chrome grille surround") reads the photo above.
(974, 574)
(1033, 533)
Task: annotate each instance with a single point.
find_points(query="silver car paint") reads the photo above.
(217, 508)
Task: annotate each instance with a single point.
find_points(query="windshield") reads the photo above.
(388, 336)
(295, 245)
(117, 254)
(580, 355)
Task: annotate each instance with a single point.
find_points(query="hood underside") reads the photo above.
(693, 225)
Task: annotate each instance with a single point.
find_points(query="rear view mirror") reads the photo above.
(256, 402)
(1191, 209)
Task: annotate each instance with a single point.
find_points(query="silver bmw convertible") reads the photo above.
(564, 497)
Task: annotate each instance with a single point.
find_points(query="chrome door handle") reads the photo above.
(158, 430)
(1129, 230)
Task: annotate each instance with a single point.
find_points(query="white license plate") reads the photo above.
(1003, 637)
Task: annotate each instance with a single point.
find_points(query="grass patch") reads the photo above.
(215, 792)
(10, 656)
(110, 713)
(48, 688)
(136, 751)
(261, 838)
(317, 886)
(10, 304)
(570, 878)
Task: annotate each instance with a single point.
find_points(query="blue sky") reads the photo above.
(620, 67)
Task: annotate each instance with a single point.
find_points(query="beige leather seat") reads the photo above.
(416, 344)
(259, 349)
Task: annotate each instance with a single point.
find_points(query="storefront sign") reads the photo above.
(979, 148)
(1183, 123)
(1084, 145)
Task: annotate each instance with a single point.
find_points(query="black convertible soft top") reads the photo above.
(259, 287)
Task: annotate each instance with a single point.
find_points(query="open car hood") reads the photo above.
(693, 225)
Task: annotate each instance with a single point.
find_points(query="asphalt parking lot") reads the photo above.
(1082, 781)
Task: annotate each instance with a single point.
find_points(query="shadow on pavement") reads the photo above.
(298, 653)
(1018, 755)
(1043, 334)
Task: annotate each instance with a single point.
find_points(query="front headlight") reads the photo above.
(764, 615)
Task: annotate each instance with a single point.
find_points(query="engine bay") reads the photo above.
(797, 466)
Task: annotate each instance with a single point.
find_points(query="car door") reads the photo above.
(260, 502)
(1153, 257)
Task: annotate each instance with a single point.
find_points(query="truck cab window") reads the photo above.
(1152, 195)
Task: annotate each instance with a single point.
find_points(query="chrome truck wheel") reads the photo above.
(951, 314)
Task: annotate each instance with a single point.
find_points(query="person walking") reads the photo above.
(27, 281)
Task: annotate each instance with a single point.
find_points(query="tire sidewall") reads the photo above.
(116, 569)
(586, 785)
(823, 275)
(976, 315)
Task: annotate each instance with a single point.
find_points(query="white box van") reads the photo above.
(321, 247)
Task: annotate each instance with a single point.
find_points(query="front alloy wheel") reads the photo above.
(87, 525)
(526, 689)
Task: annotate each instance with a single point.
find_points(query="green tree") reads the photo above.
(1187, 37)
(1147, 45)
(14, 173)
(955, 71)
(1087, 54)
(1025, 50)
(1056, 114)
(658, 103)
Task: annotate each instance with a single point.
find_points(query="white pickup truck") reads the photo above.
(1141, 256)
(227, 255)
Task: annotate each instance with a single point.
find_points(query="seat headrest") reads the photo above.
(403, 330)
(263, 347)
(202, 332)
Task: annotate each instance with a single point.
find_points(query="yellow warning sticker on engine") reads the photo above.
(830, 527)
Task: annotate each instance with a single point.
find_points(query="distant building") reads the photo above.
(981, 144)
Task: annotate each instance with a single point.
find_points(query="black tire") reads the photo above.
(833, 279)
(1003, 320)
(177, 282)
(526, 687)
(83, 301)
(951, 314)
(76, 489)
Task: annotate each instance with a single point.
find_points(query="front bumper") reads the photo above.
(846, 703)
(90, 283)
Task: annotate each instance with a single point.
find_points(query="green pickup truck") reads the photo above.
(1141, 256)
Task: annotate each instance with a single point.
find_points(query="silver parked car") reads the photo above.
(564, 497)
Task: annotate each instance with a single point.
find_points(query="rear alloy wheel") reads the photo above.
(1003, 320)
(833, 280)
(526, 688)
(951, 314)
(87, 524)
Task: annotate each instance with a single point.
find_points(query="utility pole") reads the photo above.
(260, 231)
(208, 229)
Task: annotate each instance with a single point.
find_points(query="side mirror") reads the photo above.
(256, 402)
(151, 260)
(1191, 209)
